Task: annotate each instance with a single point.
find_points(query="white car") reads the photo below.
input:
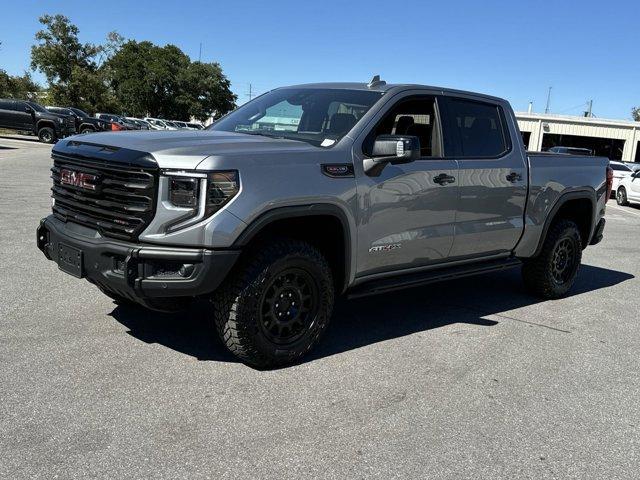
(620, 171)
(629, 189)
(158, 124)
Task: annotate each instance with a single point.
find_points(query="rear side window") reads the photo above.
(621, 168)
(478, 129)
(6, 105)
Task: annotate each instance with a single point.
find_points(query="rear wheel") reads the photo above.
(276, 305)
(46, 135)
(87, 130)
(621, 197)
(553, 272)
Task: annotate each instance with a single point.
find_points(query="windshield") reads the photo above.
(319, 116)
(79, 112)
(37, 107)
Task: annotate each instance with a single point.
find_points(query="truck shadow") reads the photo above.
(369, 320)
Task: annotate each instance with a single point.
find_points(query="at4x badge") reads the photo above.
(385, 248)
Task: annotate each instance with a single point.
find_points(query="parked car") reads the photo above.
(378, 188)
(159, 124)
(620, 171)
(118, 120)
(85, 123)
(183, 125)
(27, 116)
(172, 125)
(635, 166)
(571, 151)
(629, 189)
(195, 126)
(139, 122)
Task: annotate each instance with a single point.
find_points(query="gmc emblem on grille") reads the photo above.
(78, 179)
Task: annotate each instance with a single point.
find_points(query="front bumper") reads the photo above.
(136, 271)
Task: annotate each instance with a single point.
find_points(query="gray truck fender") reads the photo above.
(315, 209)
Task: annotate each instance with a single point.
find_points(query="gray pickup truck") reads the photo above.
(313, 191)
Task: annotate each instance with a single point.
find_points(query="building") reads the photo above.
(615, 139)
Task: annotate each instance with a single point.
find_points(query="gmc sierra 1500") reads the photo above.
(316, 190)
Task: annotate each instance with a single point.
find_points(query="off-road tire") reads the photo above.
(540, 274)
(47, 135)
(87, 130)
(241, 302)
(621, 197)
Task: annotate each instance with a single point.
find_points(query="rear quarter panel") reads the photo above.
(553, 178)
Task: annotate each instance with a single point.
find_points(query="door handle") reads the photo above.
(514, 177)
(444, 179)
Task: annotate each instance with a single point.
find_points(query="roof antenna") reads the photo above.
(376, 82)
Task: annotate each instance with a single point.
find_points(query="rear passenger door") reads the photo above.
(6, 107)
(492, 176)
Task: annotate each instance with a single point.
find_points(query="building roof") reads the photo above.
(594, 121)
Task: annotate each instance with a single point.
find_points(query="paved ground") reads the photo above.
(468, 379)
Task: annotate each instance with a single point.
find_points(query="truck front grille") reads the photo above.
(117, 200)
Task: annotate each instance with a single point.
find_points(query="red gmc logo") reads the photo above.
(78, 179)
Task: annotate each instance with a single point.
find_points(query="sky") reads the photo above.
(513, 49)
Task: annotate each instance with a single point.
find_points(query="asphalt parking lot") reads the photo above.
(467, 379)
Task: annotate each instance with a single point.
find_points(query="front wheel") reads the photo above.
(621, 197)
(47, 135)
(276, 305)
(553, 272)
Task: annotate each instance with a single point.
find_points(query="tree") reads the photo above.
(21, 86)
(163, 82)
(206, 91)
(635, 113)
(70, 66)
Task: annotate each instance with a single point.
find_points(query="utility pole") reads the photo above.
(546, 110)
(200, 53)
(250, 94)
(589, 112)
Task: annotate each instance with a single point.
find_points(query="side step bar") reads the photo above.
(399, 282)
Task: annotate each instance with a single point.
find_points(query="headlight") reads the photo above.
(183, 192)
(221, 188)
(201, 195)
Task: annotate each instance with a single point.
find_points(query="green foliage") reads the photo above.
(18, 86)
(163, 82)
(136, 78)
(635, 113)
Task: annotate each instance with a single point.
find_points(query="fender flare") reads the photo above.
(298, 211)
(45, 123)
(577, 194)
(84, 126)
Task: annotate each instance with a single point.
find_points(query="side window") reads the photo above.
(415, 116)
(478, 127)
(5, 105)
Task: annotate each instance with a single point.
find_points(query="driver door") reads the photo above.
(408, 211)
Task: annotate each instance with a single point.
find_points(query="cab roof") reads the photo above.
(387, 87)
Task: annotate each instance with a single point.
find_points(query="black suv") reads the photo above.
(26, 116)
(84, 122)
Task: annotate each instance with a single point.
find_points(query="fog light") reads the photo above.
(186, 270)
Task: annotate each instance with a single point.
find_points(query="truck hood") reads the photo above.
(186, 149)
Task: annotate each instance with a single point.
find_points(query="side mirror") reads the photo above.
(394, 149)
(28, 109)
